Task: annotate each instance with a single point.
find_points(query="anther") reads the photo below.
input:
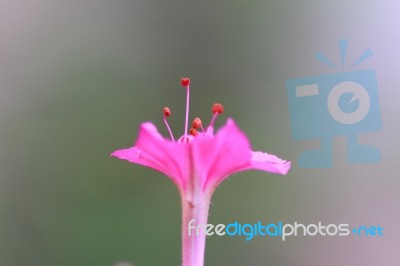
(166, 111)
(196, 123)
(217, 108)
(193, 132)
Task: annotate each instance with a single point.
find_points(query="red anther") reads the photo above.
(185, 82)
(217, 108)
(193, 132)
(166, 111)
(196, 123)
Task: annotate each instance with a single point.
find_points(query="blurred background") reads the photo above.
(78, 77)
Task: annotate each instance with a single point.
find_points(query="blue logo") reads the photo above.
(340, 104)
(281, 230)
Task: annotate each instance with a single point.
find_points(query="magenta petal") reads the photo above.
(152, 150)
(269, 163)
(215, 158)
(203, 163)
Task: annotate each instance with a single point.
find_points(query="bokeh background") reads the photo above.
(78, 77)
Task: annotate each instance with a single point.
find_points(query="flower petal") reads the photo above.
(153, 151)
(215, 158)
(269, 163)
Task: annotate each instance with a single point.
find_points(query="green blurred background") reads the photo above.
(78, 77)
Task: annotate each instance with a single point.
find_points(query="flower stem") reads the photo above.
(194, 212)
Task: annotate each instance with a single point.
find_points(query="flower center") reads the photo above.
(188, 136)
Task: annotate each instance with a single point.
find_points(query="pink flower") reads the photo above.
(197, 163)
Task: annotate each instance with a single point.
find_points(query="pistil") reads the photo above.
(167, 113)
(185, 82)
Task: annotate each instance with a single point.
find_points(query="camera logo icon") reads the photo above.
(340, 104)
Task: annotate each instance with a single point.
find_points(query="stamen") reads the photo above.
(185, 82)
(217, 109)
(167, 113)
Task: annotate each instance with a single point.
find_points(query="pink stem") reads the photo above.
(187, 110)
(169, 129)
(194, 212)
(211, 125)
(202, 129)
